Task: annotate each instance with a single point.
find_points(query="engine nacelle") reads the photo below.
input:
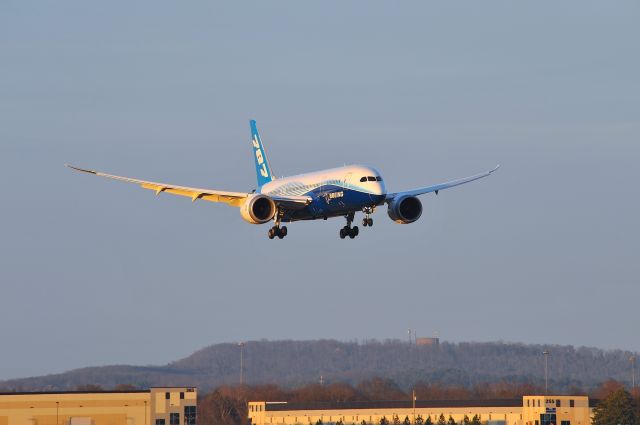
(405, 210)
(258, 209)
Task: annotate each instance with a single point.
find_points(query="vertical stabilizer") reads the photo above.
(263, 170)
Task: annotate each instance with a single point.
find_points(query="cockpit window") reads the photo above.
(371, 178)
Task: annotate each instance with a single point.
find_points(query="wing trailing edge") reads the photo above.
(441, 186)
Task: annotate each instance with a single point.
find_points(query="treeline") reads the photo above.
(297, 363)
(227, 405)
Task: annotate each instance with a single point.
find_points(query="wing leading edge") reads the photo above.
(231, 198)
(440, 186)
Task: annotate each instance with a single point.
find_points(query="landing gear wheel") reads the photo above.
(365, 222)
(276, 230)
(280, 232)
(347, 230)
(370, 222)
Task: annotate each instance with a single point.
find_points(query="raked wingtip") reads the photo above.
(79, 169)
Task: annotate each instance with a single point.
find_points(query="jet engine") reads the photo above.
(258, 209)
(405, 210)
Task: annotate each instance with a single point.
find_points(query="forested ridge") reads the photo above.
(296, 363)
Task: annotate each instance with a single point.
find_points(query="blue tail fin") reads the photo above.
(263, 170)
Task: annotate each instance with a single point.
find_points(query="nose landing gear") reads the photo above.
(367, 220)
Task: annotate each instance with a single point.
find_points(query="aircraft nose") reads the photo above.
(378, 192)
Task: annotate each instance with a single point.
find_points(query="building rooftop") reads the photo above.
(90, 392)
(394, 404)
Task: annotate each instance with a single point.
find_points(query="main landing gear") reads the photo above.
(347, 230)
(276, 230)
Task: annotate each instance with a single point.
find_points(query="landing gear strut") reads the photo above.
(347, 230)
(276, 230)
(367, 220)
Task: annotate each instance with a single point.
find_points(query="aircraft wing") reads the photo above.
(438, 187)
(232, 198)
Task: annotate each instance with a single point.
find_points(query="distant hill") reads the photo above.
(294, 363)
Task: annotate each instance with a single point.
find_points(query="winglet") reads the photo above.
(497, 166)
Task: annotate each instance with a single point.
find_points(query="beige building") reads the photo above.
(557, 410)
(528, 410)
(156, 406)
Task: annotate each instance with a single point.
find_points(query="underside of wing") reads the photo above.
(232, 198)
(291, 202)
(440, 186)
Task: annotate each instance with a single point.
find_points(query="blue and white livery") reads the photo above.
(337, 192)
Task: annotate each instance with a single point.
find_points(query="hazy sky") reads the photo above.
(97, 272)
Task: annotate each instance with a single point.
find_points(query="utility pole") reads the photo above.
(241, 345)
(57, 409)
(409, 332)
(546, 371)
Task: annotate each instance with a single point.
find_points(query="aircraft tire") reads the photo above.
(355, 231)
(343, 234)
(283, 230)
(365, 222)
(272, 233)
(370, 222)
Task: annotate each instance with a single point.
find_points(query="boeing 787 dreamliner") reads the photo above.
(337, 192)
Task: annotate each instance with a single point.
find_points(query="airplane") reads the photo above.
(336, 192)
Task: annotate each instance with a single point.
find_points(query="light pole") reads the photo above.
(546, 371)
(241, 345)
(413, 397)
(57, 408)
(632, 359)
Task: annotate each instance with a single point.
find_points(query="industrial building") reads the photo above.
(155, 406)
(528, 410)
(433, 341)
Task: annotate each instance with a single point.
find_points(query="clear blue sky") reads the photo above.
(97, 272)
